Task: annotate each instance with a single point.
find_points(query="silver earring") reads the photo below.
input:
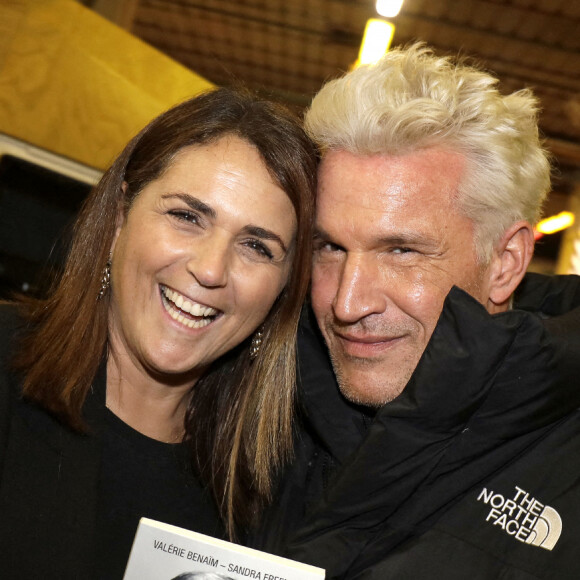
(105, 280)
(256, 343)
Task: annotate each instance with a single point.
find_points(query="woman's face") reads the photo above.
(198, 260)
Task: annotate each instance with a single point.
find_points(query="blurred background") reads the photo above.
(79, 78)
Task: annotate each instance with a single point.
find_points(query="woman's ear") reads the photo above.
(120, 218)
(511, 258)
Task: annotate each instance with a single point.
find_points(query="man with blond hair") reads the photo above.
(448, 447)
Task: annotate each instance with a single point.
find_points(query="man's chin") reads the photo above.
(367, 389)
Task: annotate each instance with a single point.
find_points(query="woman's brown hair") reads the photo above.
(239, 418)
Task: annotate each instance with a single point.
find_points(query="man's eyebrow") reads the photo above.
(319, 234)
(406, 239)
(193, 203)
(398, 239)
(264, 235)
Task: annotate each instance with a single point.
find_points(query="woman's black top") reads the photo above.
(143, 477)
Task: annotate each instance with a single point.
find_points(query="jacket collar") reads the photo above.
(470, 346)
(486, 389)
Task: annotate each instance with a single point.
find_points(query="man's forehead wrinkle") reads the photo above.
(371, 203)
(392, 195)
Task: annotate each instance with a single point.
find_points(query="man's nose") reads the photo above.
(210, 260)
(360, 292)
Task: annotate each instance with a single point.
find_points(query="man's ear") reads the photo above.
(120, 218)
(511, 258)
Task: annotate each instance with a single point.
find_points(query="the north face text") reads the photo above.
(523, 517)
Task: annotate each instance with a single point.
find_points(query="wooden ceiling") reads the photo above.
(287, 49)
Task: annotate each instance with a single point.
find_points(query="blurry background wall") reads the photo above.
(77, 85)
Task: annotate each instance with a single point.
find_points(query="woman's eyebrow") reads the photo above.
(265, 235)
(193, 203)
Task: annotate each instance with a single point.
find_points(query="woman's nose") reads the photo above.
(210, 259)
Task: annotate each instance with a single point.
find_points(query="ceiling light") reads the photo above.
(389, 8)
(376, 41)
(556, 223)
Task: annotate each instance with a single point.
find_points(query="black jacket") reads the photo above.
(48, 483)
(479, 454)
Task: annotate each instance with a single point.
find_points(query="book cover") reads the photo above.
(164, 552)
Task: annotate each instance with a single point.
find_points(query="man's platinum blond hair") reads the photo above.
(412, 99)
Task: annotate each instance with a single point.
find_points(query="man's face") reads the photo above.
(391, 243)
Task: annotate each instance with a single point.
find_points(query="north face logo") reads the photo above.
(523, 517)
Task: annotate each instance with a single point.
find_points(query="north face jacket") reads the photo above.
(473, 472)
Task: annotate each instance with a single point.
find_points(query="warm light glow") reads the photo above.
(575, 258)
(376, 41)
(388, 8)
(556, 223)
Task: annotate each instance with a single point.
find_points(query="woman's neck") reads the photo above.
(149, 406)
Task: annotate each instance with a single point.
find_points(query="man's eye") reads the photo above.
(402, 250)
(327, 247)
(260, 248)
(185, 215)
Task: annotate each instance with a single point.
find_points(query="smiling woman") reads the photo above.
(221, 227)
(157, 379)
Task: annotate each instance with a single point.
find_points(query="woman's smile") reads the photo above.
(186, 311)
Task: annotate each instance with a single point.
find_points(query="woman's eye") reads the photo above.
(185, 215)
(259, 248)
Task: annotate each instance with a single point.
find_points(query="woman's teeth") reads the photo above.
(179, 308)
